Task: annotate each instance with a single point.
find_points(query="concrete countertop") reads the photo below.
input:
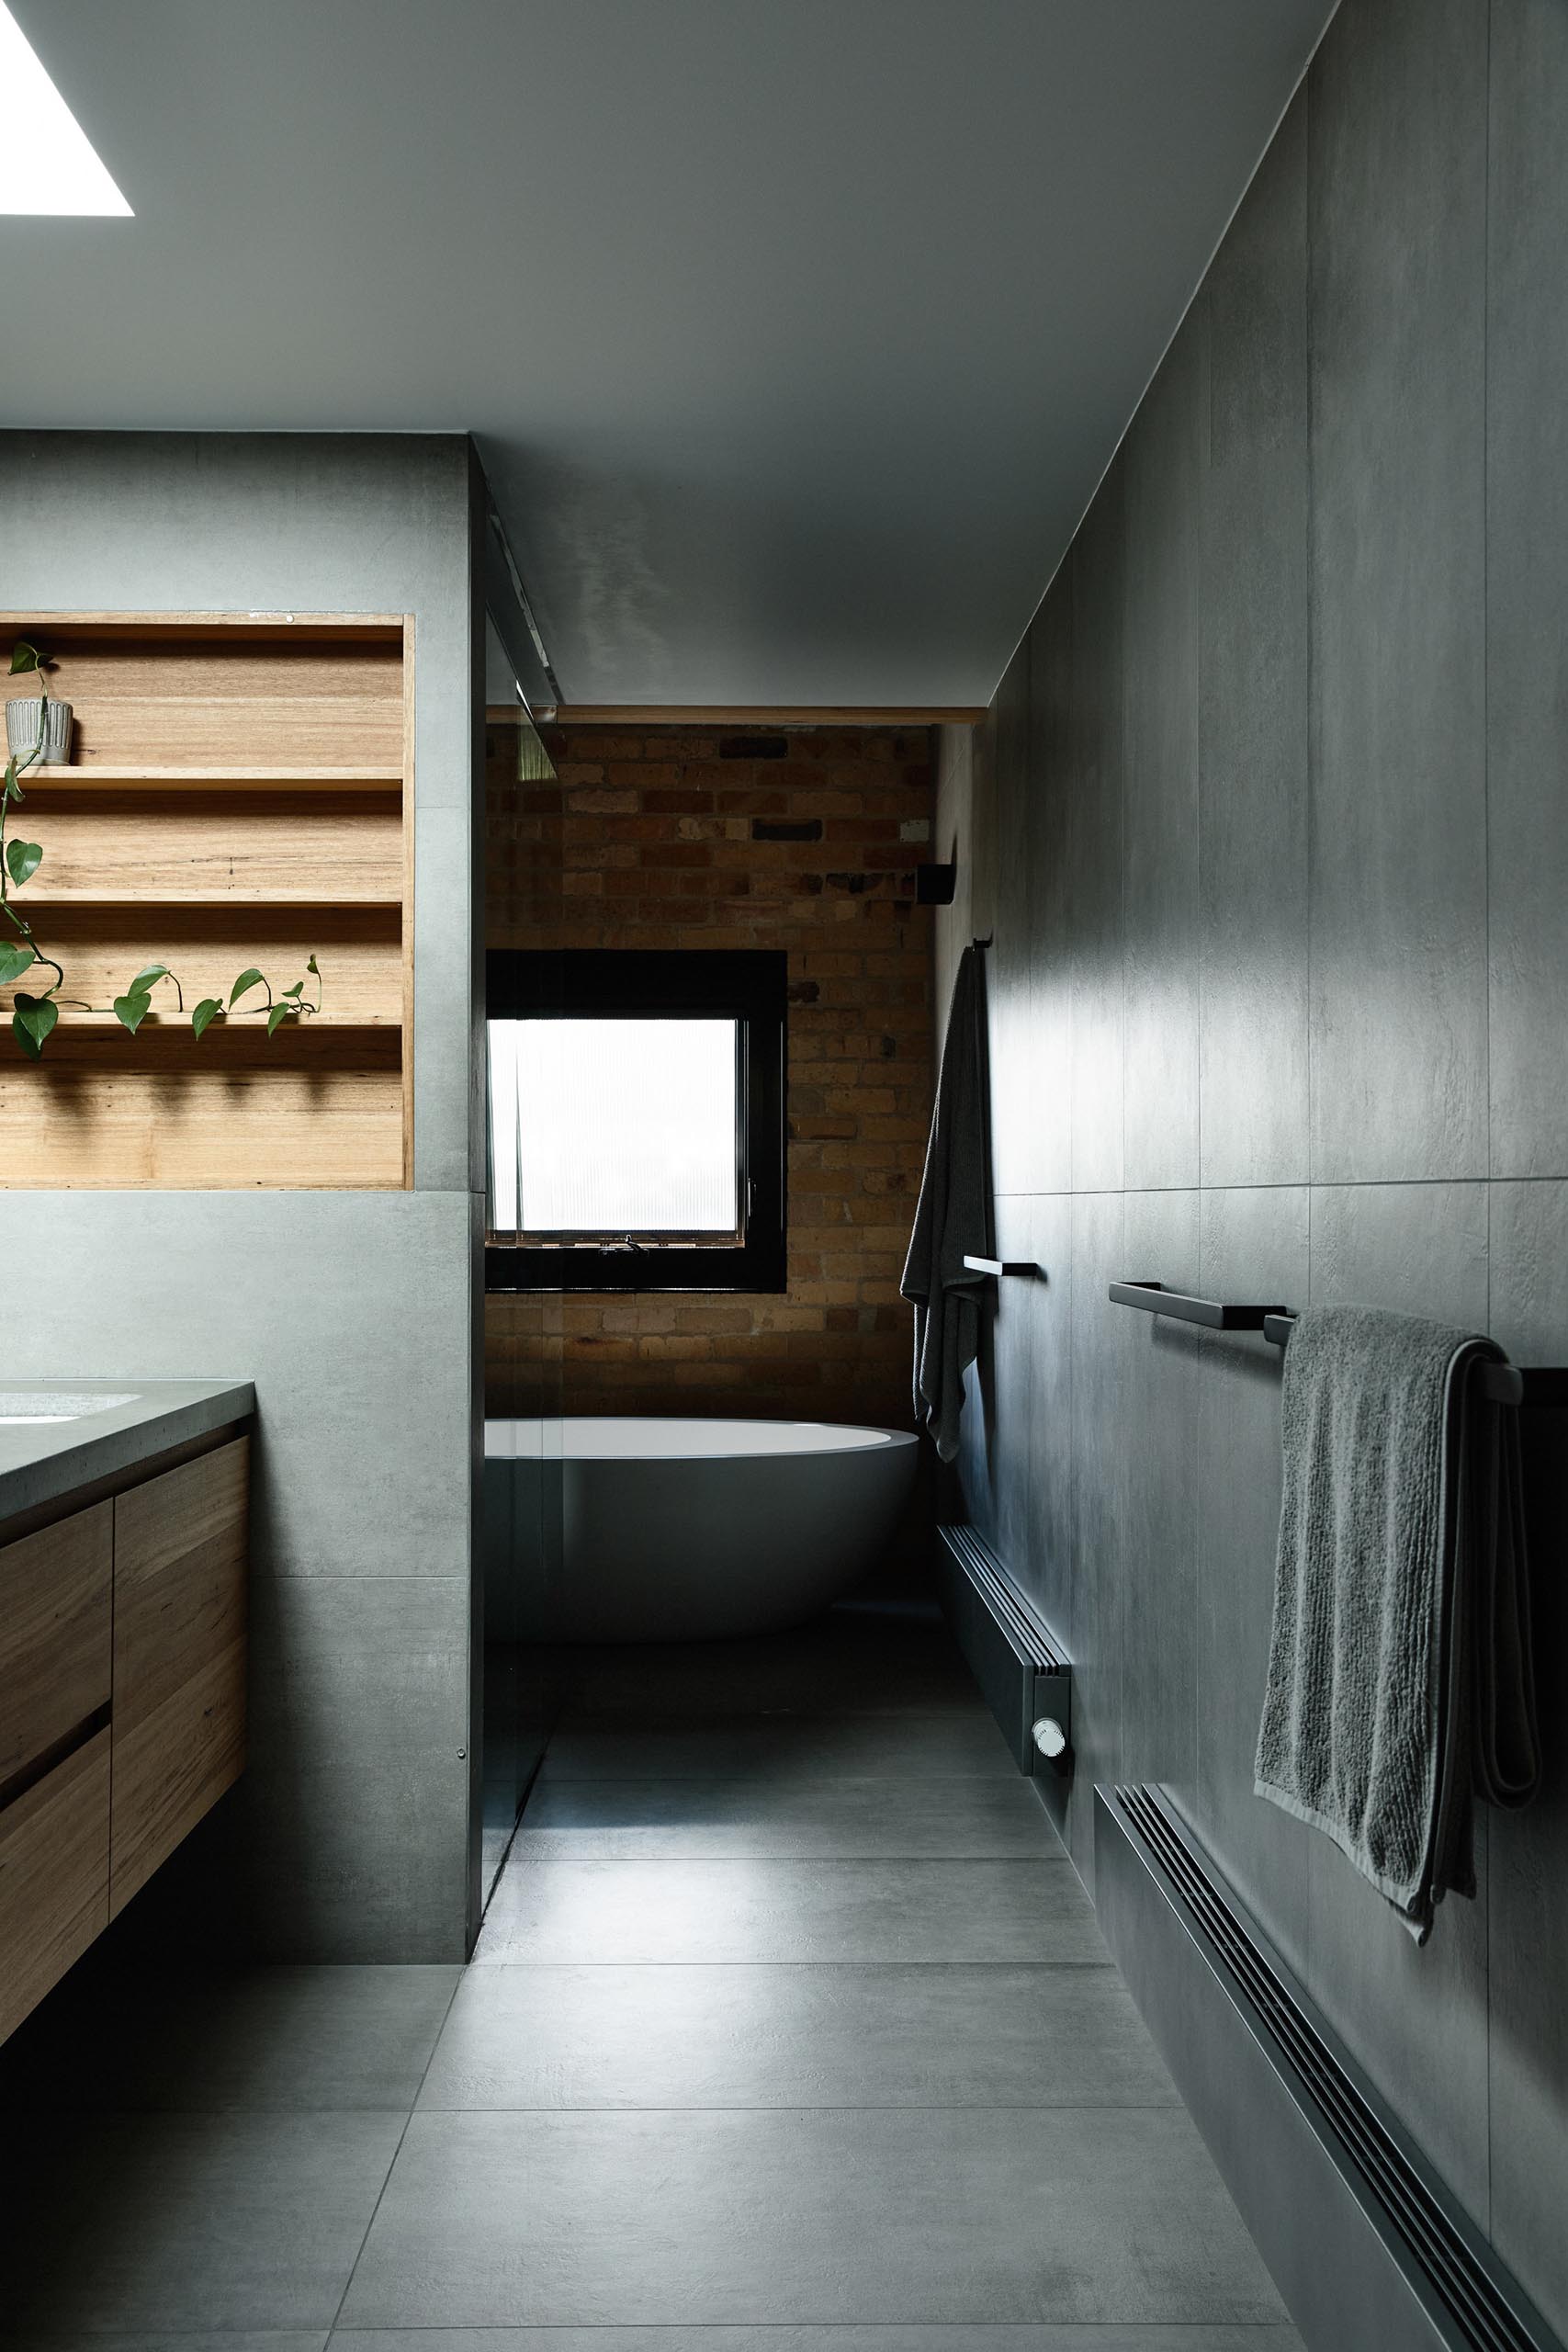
(44, 1462)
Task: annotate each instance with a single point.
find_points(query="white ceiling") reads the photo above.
(795, 334)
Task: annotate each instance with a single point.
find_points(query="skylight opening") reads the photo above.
(47, 163)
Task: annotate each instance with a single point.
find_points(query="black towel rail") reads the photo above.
(1504, 1384)
(999, 1266)
(1154, 1298)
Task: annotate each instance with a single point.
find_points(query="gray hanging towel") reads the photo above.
(1400, 1675)
(954, 1214)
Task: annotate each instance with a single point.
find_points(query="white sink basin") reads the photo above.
(28, 1407)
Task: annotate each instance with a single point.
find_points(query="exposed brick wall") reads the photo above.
(667, 838)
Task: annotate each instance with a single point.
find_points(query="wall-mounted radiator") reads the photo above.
(1365, 2244)
(1023, 1677)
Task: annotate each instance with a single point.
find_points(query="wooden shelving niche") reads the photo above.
(240, 792)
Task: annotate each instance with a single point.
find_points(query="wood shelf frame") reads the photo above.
(115, 776)
(325, 899)
(240, 791)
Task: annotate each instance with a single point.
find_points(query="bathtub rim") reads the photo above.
(874, 1429)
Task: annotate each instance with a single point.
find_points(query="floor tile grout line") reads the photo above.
(1048, 1860)
(781, 1964)
(618, 1721)
(1220, 2330)
(1108, 1964)
(1044, 1847)
(988, 1779)
(1175, 2105)
(407, 2119)
(110, 2338)
(663, 1727)
(1217, 2333)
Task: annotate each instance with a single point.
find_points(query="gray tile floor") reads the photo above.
(790, 2031)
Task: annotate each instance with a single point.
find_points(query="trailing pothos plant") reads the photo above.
(34, 1016)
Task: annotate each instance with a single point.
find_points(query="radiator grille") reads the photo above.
(1007, 1605)
(1459, 2275)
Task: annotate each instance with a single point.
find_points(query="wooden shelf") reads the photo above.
(239, 792)
(177, 1024)
(106, 776)
(42, 895)
(95, 1041)
(223, 628)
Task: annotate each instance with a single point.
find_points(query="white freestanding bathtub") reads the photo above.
(675, 1531)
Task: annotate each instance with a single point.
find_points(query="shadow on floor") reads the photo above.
(789, 2021)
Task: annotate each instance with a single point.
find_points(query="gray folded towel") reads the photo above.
(1400, 1675)
(954, 1214)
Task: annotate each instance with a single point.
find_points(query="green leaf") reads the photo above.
(131, 1010)
(34, 1018)
(23, 860)
(12, 786)
(206, 1013)
(246, 980)
(25, 657)
(313, 966)
(144, 979)
(14, 962)
(279, 1012)
(297, 989)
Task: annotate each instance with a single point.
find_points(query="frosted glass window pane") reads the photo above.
(613, 1126)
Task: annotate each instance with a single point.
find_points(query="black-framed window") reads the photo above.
(634, 1112)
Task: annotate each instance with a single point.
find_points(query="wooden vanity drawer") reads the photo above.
(54, 1877)
(56, 1634)
(179, 1657)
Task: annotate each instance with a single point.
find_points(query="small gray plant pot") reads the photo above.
(23, 718)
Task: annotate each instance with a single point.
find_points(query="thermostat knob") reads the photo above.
(1049, 1737)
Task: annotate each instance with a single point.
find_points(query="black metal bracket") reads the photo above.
(997, 1267)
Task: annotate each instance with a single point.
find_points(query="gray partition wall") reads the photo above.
(1271, 820)
(356, 1313)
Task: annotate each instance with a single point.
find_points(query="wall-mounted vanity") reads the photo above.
(123, 1552)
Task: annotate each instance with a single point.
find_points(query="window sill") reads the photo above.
(758, 1267)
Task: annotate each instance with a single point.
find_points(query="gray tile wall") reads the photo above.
(355, 1314)
(1278, 860)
